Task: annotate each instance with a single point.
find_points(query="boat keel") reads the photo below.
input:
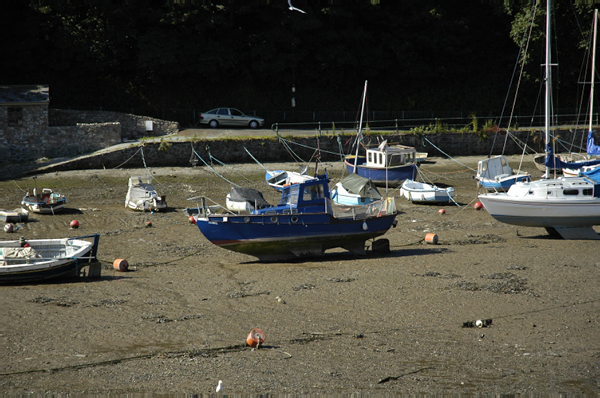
(575, 233)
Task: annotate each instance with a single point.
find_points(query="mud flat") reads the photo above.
(177, 322)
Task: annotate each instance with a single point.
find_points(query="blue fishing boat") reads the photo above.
(305, 223)
(388, 165)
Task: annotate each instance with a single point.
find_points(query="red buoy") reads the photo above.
(442, 211)
(121, 265)
(478, 206)
(192, 220)
(432, 239)
(74, 224)
(255, 338)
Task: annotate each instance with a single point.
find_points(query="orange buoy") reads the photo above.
(478, 206)
(431, 239)
(255, 338)
(120, 265)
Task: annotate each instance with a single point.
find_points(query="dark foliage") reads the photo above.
(442, 55)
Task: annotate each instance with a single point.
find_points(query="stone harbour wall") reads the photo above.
(63, 141)
(231, 151)
(133, 127)
(54, 133)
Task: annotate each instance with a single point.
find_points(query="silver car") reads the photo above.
(230, 117)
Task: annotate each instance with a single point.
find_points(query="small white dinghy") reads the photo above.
(142, 196)
(420, 192)
(279, 179)
(48, 202)
(40, 259)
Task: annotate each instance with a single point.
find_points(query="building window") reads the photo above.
(15, 116)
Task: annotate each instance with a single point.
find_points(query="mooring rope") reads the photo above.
(310, 147)
(131, 157)
(212, 169)
(231, 167)
(449, 157)
(257, 162)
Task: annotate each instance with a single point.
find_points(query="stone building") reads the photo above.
(23, 120)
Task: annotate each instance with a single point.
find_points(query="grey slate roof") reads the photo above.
(33, 93)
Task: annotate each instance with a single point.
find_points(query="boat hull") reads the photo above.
(44, 208)
(271, 237)
(152, 204)
(349, 199)
(542, 214)
(393, 176)
(563, 202)
(502, 184)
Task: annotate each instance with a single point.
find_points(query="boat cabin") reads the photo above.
(496, 167)
(398, 155)
(306, 197)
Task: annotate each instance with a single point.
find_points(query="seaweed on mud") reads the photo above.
(61, 302)
(438, 275)
(503, 282)
(108, 303)
(464, 285)
(305, 286)
(506, 282)
(158, 318)
(246, 294)
(480, 239)
(341, 280)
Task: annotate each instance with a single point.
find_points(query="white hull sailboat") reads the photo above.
(568, 206)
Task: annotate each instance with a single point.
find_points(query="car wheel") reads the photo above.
(214, 124)
(253, 124)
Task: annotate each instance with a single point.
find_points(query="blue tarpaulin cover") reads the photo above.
(554, 162)
(592, 149)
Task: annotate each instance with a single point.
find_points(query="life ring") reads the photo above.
(46, 198)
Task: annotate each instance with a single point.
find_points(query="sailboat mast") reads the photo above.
(548, 82)
(359, 135)
(593, 68)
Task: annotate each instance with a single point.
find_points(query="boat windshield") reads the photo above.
(289, 196)
(313, 192)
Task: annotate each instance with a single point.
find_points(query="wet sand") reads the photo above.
(341, 324)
